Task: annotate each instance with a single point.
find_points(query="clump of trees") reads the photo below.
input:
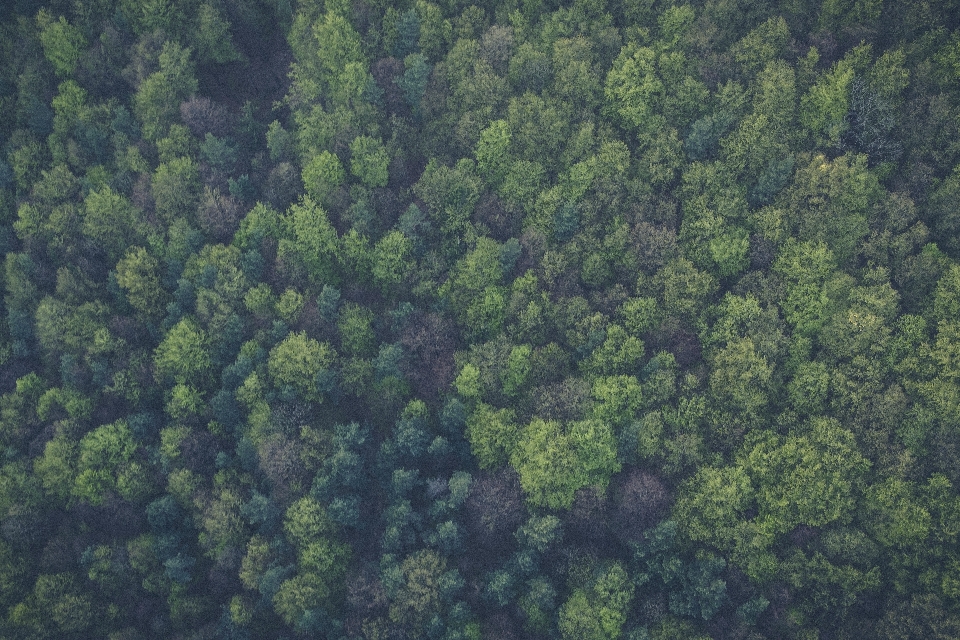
(455, 321)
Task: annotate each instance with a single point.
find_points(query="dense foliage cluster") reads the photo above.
(381, 320)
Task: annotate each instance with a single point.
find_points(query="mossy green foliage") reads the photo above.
(507, 319)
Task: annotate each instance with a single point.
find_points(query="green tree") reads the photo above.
(329, 59)
(63, 44)
(298, 361)
(599, 611)
(56, 468)
(392, 261)
(105, 463)
(633, 88)
(111, 221)
(183, 354)
(619, 354)
(321, 561)
(810, 279)
(158, 98)
(475, 291)
(493, 434)
(64, 603)
(831, 201)
(741, 381)
(555, 460)
(369, 161)
(493, 162)
(618, 400)
(419, 594)
(322, 175)
(313, 241)
(823, 109)
(806, 479)
(356, 330)
(450, 194)
(896, 518)
(212, 36)
(762, 45)
(176, 189)
(683, 288)
(515, 374)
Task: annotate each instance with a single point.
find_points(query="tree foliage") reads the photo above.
(479, 320)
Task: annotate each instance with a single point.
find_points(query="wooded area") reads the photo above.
(383, 320)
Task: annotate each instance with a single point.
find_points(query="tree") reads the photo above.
(515, 374)
(321, 566)
(110, 221)
(830, 201)
(176, 189)
(59, 597)
(356, 330)
(474, 289)
(493, 435)
(683, 288)
(219, 153)
(299, 361)
(896, 517)
(824, 108)
(322, 175)
(599, 611)
(418, 597)
(741, 381)
(305, 522)
(805, 479)
(924, 616)
(212, 36)
(184, 354)
(313, 242)
(645, 89)
(640, 500)
(105, 463)
(392, 261)
(369, 161)
(56, 468)
(491, 152)
(450, 194)
(158, 98)
(633, 87)
(554, 460)
(762, 45)
(619, 354)
(63, 44)
(494, 509)
(219, 214)
(808, 272)
(618, 399)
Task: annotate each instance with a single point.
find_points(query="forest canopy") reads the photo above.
(591, 320)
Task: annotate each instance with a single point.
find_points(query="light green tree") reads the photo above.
(158, 98)
(312, 241)
(392, 261)
(111, 221)
(176, 189)
(183, 354)
(63, 44)
(369, 161)
(322, 175)
(493, 434)
(555, 460)
(598, 611)
(212, 36)
(105, 463)
(297, 361)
